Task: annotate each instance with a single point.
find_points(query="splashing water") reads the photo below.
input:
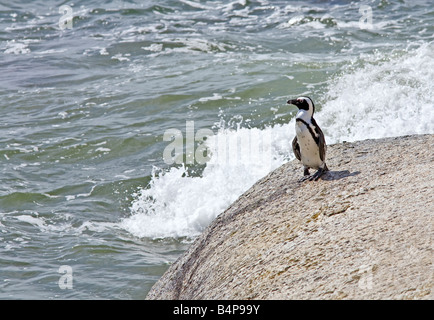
(388, 96)
(385, 99)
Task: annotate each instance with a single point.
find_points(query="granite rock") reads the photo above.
(363, 231)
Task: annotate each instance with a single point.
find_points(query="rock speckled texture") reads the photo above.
(363, 231)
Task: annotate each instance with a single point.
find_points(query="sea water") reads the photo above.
(127, 127)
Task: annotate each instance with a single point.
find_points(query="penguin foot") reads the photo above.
(317, 174)
(305, 178)
(306, 175)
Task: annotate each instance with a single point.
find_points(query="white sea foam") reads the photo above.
(177, 205)
(385, 99)
(196, 5)
(48, 225)
(44, 224)
(215, 96)
(387, 96)
(16, 47)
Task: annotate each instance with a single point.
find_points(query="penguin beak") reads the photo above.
(294, 102)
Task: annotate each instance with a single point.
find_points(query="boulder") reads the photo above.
(363, 231)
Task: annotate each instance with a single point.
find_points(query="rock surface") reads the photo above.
(363, 231)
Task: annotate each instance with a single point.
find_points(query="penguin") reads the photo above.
(309, 144)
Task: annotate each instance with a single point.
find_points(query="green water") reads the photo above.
(83, 112)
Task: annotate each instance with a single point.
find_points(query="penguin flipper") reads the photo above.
(320, 141)
(296, 148)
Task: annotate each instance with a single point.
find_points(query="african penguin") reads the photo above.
(309, 144)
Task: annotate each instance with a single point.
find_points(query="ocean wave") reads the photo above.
(179, 205)
(388, 95)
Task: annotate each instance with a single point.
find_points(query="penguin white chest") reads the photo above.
(309, 150)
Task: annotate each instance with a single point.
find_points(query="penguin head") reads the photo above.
(303, 103)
